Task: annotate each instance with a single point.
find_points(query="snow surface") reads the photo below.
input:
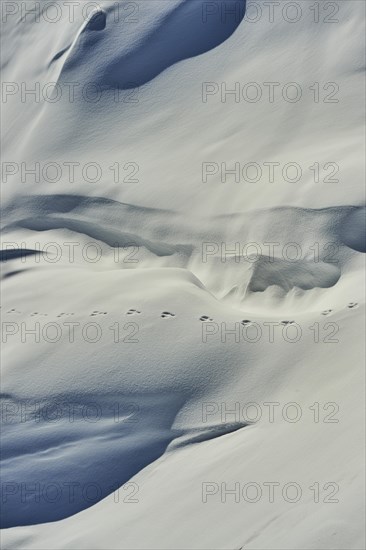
(133, 443)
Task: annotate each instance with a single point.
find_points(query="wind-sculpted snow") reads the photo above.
(353, 230)
(140, 386)
(186, 30)
(165, 372)
(139, 395)
(76, 451)
(287, 275)
(85, 216)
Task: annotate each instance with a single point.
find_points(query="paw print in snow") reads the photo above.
(205, 318)
(167, 314)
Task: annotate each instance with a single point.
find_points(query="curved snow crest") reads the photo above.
(138, 399)
(191, 28)
(171, 308)
(132, 432)
(340, 230)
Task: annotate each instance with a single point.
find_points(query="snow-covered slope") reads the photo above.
(183, 275)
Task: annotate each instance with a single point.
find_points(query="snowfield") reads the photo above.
(183, 275)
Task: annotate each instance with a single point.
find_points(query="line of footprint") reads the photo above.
(169, 315)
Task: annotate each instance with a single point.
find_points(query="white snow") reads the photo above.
(197, 336)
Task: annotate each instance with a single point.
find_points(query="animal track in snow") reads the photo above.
(62, 314)
(133, 312)
(167, 314)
